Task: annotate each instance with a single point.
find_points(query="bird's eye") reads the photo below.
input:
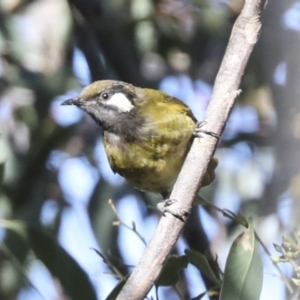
(105, 96)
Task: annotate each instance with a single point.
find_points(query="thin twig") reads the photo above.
(121, 222)
(282, 276)
(109, 264)
(243, 38)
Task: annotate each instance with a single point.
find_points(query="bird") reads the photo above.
(146, 132)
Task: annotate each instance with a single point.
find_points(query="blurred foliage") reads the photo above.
(50, 49)
(290, 254)
(72, 278)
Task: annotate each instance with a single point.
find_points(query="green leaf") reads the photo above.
(16, 239)
(115, 292)
(2, 164)
(16, 226)
(61, 265)
(200, 261)
(169, 275)
(243, 272)
(199, 297)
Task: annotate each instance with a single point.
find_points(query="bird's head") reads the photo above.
(107, 101)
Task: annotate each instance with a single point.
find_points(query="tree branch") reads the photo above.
(243, 38)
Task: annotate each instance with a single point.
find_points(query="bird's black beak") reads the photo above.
(73, 101)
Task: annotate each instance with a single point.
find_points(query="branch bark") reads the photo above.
(244, 36)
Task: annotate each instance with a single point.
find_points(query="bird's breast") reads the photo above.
(151, 164)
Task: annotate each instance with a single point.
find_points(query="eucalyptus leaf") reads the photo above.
(115, 292)
(61, 265)
(200, 261)
(16, 226)
(2, 165)
(243, 271)
(199, 297)
(169, 275)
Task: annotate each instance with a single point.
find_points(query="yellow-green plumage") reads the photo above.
(146, 133)
(153, 163)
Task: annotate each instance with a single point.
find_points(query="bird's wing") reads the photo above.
(169, 122)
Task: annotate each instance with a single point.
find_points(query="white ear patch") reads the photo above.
(120, 101)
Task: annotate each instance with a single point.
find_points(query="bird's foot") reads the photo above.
(198, 130)
(166, 206)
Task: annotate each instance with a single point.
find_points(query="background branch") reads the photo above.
(243, 38)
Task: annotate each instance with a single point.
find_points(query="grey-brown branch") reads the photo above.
(244, 36)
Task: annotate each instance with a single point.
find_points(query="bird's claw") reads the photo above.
(165, 206)
(198, 130)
